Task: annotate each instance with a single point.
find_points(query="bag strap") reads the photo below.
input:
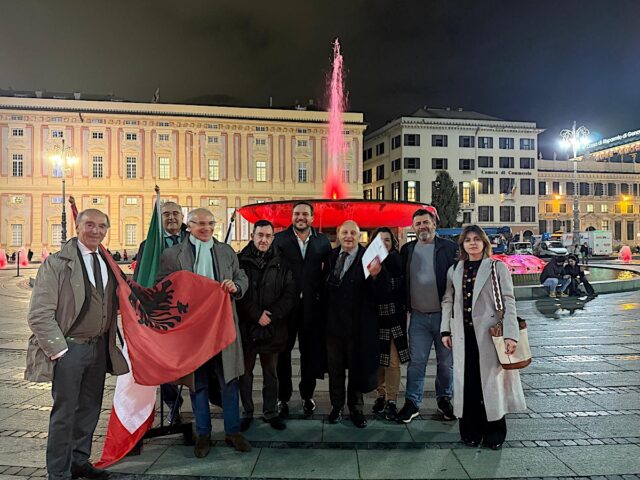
(497, 291)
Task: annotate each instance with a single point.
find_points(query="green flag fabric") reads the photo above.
(153, 246)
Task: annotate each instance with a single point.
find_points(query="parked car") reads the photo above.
(550, 248)
(520, 248)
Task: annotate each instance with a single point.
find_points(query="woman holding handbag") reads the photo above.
(483, 390)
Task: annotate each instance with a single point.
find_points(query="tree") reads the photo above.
(445, 199)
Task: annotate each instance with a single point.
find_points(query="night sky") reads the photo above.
(537, 60)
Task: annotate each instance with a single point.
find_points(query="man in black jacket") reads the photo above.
(553, 277)
(307, 252)
(263, 313)
(426, 262)
(577, 276)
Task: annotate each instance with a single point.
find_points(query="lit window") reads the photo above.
(97, 201)
(214, 170)
(130, 235)
(380, 193)
(97, 170)
(97, 135)
(604, 225)
(411, 191)
(132, 167)
(16, 235)
(17, 165)
(302, 172)
(164, 168)
(589, 207)
(261, 171)
(604, 208)
(16, 199)
(131, 201)
(466, 192)
(395, 191)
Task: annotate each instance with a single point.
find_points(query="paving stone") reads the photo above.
(316, 463)
(601, 460)
(561, 404)
(409, 464)
(607, 427)
(221, 462)
(296, 431)
(140, 463)
(435, 431)
(375, 431)
(542, 429)
(484, 463)
(23, 452)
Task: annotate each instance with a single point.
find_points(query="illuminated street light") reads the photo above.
(63, 157)
(575, 138)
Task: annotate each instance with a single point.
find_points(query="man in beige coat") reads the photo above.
(72, 316)
(204, 255)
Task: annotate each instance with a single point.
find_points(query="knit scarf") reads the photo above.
(204, 261)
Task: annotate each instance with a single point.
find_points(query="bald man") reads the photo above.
(351, 328)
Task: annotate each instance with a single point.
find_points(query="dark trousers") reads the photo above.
(269, 362)
(77, 389)
(574, 287)
(474, 425)
(340, 358)
(307, 379)
(170, 396)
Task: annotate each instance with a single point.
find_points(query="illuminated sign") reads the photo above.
(617, 138)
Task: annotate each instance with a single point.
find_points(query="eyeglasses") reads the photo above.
(204, 224)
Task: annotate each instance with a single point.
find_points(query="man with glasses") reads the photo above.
(173, 233)
(202, 254)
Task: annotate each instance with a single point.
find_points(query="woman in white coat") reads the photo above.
(483, 391)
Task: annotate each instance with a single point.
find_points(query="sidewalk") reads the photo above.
(583, 418)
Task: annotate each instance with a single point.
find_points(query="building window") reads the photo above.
(629, 209)
(380, 149)
(131, 200)
(57, 134)
(465, 192)
(542, 188)
(527, 162)
(261, 141)
(604, 208)
(16, 235)
(527, 144)
(528, 214)
(395, 165)
(261, 171)
(412, 193)
(368, 154)
(507, 185)
(617, 209)
(97, 135)
(261, 129)
(346, 173)
(466, 141)
(563, 208)
(507, 214)
(368, 194)
(303, 131)
(485, 214)
(164, 124)
(548, 207)
(395, 191)
(506, 162)
(589, 207)
(163, 137)
(302, 143)
(411, 140)
(56, 234)
(380, 172)
(527, 186)
(97, 170)
(212, 139)
(17, 132)
(164, 171)
(439, 163)
(131, 122)
(366, 176)
(505, 143)
(604, 225)
(131, 136)
(612, 188)
(213, 173)
(395, 142)
(624, 189)
(302, 172)
(569, 188)
(630, 231)
(439, 140)
(97, 201)
(130, 235)
(485, 142)
(584, 188)
(17, 165)
(485, 186)
(132, 167)
(465, 164)
(412, 163)
(380, 193)
(485, 162)
(466, 218)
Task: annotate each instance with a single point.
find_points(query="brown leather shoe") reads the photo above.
(237, 441)
(202, 446)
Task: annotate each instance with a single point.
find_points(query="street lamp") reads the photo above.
(64, 158)
(575, 138)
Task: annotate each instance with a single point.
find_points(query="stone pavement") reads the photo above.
(583, 418)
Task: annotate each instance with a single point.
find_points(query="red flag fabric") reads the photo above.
(173, 328)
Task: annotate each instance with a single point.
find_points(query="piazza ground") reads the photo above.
(583, 417)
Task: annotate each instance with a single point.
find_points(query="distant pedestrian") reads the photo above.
(29, 255)
(125, 256)
(584, 253)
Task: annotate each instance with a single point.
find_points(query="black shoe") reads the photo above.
(245, 423)
(408, 412)
(308, 406)
(444, 405)
(283, 408)
(335, 415)
(88, 471)
(202, 446)
(276, 423)
(470, 443)
(378, 406)
(492, 446)
(174, 419)
(358, 419)
(391, 411)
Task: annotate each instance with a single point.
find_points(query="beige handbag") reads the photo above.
(522, 356)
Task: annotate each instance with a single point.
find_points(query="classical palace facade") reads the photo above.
(200, 156)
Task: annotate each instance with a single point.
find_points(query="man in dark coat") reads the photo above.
(307, 252)
(351, 327)
(263, 313)
(426, 262)
(553, 277)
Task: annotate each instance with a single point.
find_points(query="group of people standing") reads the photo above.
(287, 286)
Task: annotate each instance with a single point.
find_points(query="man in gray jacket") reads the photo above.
(73, 319)
(204, 255)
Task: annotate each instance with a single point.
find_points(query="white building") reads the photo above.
(492, 161)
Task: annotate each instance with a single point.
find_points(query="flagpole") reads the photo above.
(158, 209)
(231, 224)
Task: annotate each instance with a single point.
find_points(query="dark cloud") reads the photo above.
(539, 60)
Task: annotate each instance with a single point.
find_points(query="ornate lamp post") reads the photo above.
(575, 138)
(63, 157)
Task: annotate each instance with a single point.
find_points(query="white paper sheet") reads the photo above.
(375, 249)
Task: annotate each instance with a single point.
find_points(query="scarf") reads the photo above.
(204, 260)
(261, 258)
